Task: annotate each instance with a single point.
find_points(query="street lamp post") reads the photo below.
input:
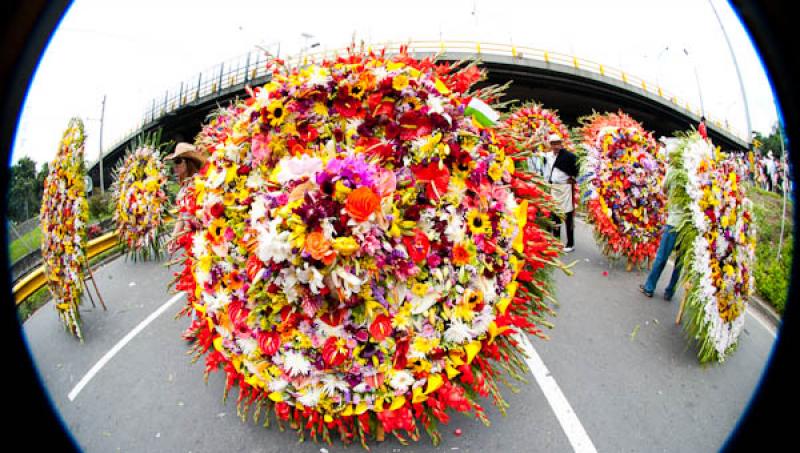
(738, 73)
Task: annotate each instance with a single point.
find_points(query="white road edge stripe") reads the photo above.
(572, 427)
(121, 344)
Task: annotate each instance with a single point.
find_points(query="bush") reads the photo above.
(100, 206)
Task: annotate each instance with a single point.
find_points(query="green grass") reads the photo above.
(772, 273)
(29, 242)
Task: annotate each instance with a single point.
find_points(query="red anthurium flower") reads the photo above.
(269, 342)
(400, 358)
(334, 351)
(253, 266)
(436, 179)
(283, 410)
(333, 318)
(417, 245)
(381, 327)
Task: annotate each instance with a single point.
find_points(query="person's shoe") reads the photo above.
(645, 292)
(668, 297)
(569, 249)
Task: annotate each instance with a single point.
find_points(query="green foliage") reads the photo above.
(100, 206)
(24, 191)
(772, 142)
(33, 303)
(772, 273)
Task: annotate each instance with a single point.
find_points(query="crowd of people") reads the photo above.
(764, 171)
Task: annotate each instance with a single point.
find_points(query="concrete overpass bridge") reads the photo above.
(573, 86)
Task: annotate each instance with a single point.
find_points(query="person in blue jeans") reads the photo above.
(668, 237)
(665, 247)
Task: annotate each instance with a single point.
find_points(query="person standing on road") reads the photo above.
(187, 161)
(561, 170)
(668, 236)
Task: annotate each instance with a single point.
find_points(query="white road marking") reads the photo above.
(117, 347)
(566, 416)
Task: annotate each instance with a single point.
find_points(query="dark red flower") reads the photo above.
(414, 124)
(436, 179)
(334, 352)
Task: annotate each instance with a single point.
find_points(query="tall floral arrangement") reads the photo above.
(140, 200)
(717, 242)
(366, 250)
(63, 218)
(622, 176)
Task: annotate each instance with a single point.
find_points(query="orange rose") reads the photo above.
(361, 203)
(461, 255)
(319, 247)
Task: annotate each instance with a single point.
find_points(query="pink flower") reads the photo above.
(259, 147)
(386, 182)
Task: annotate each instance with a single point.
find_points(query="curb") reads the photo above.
(766, 310)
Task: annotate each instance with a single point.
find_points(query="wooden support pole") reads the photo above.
(686, 288)
(94, 283)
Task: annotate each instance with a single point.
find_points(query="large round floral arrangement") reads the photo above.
(63, 218)
(532, 123)
(366, 250)
(718, 248)
(622, 175)
(140, 202)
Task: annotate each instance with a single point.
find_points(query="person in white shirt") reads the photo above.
(561, 170)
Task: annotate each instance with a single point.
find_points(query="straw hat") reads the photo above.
(552, 138)
(188, 151)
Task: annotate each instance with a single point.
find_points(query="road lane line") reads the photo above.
(121, 344)
(566, 416)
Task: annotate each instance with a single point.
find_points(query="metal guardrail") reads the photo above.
(36, 279)
(252, 65)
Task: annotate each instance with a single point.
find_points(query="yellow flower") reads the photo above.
(419, 289)
(277, 113)
(341, 192)
(399, 82)
(345, 246)
(495, 171)
(478, 222)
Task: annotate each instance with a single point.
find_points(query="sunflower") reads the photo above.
(478, 222)
(276, 113)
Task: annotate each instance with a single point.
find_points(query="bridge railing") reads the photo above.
(238, 71)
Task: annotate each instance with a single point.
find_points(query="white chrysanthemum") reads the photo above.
(277, 385)
(272, 244)
(296, 364)
(214, 302)
(332, 385)
(310, 396)
(400, 380)
(254, 180)
(458, 332)
(455, 228)
(348, 282)
(319, 76)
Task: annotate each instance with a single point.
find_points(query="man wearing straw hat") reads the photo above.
(561, 170)
(187, 160)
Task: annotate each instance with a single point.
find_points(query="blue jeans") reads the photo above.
(665, 247)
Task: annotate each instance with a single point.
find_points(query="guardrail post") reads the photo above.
(602, 70)
(644, 85)
(575, 62)
(180, 95)
(166, 97)
(221, 69)
(247, 67)
(478, 47)
(197, 92)
(546, 57)
(660, 92)
(624, 77)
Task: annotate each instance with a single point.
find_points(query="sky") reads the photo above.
(132, 52)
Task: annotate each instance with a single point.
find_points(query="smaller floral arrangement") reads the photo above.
(140, 202)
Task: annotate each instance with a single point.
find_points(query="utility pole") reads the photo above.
(102, 115)
(738, 73)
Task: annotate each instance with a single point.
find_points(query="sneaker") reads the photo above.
(568, 249)
(644, 291)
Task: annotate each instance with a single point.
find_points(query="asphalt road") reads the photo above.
(629, 378)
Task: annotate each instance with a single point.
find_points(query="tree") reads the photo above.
(772, 142)
(24, 195)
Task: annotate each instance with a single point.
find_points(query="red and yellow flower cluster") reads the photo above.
(366, 250)
(623, 174)
(63, 218)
